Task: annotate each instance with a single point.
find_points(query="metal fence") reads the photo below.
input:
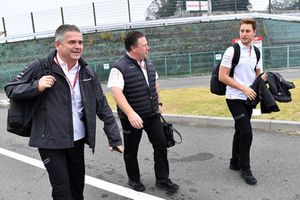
(106, 14)
(192, 64)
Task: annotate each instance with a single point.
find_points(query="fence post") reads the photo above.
(9, 74)
(94, 12)
(166, 67)
(214, 58)
(95, 68)
(235, 6)
(209, 7)
(199, 7)
(32, 21)
(62, 15)
(270, 5)
(4, 28)
(288, 56)
(190, 64)
(129, 14)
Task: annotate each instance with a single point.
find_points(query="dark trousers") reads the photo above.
(66, 171)
(132, 138)
(242, 138)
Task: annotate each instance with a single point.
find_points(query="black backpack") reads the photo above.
(216, 86)
(20, 113)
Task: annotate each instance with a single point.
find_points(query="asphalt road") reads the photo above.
(199, 165)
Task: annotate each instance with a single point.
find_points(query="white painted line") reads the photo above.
(20, 157)
(98, 183)
(120, 190)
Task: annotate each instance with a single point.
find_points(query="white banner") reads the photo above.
(194, 5)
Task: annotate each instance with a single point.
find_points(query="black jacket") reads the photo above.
(142, 98)
(264, 96)
(267, 96)
(279, 87)
(52, 125)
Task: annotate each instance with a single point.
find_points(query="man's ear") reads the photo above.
(132, 48)
(56, 44)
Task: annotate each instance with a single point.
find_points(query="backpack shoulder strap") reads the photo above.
(235, 59)
(46, 67)
(257, 52)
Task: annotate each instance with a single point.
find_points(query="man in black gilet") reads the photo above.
(133, 84)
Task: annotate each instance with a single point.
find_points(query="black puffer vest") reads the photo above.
(141, 97)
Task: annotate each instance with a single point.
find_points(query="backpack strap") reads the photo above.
(257, 52)
(46, 70)
(236, 58)
(46, 67)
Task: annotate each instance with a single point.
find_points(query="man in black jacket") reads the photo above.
(71, 97)
(133, 84)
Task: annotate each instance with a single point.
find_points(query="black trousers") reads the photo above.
(66, 171)
(132, 138)
(242, 138)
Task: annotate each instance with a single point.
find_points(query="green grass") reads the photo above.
(200, 102)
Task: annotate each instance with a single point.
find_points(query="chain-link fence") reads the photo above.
(116, 13)
(191, 64)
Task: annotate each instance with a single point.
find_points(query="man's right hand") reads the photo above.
(135, 120)
(46, 82)
(249, 92)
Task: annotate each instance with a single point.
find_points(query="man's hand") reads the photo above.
(160, 109)
(135, 120)
(46, 82)
(264, 76)
(119, 149)
(249, 92)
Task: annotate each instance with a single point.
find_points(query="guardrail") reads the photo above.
(152, 23)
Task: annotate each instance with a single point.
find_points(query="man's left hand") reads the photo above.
(264, 76)
(119, 149)
(160, 109)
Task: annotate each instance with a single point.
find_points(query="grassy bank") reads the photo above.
(200, 102)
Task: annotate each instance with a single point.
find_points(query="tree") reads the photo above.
(152, 10)
(286, 4)
(161, 9)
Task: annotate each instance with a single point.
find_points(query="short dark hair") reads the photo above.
(132, 38)
(249, 21)
(63, 29)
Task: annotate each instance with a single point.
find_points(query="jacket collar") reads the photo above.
(135, 61)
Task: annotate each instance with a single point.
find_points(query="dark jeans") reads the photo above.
(132, 138)
(242, 138)
(66, 171)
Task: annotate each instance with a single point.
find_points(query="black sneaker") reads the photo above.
(248, 177)
(167, 185)
(136, 185)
